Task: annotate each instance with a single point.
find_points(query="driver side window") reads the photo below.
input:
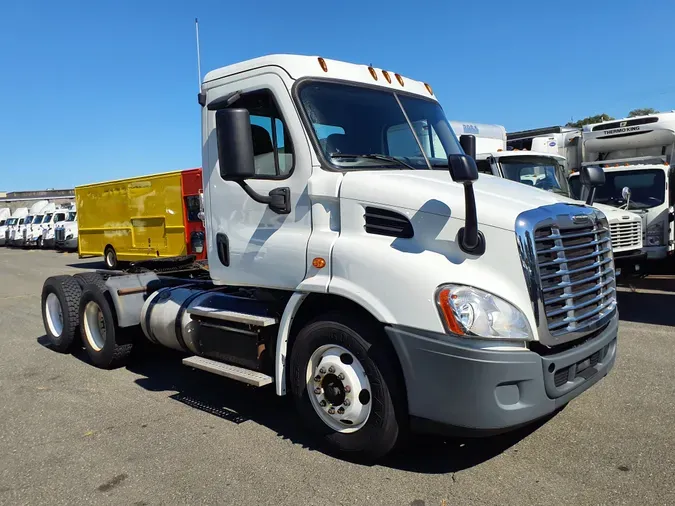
(272, 145)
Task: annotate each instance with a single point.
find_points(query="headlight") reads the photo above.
(470, 312)
(655, 234)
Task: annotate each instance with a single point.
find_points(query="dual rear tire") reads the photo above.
(78, 310)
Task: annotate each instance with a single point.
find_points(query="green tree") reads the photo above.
(642, 112)
(598, 118)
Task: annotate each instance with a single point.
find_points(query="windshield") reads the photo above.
(28, 220)
(354, 120)
(71, 216)
(38, 220)
(648, 188)
(11, 221)
(48, 218)
(541, 172)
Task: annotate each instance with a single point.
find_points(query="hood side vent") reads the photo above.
(388, 223)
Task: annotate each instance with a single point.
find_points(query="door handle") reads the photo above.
(223, 248)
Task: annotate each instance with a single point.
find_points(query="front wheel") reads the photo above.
(346, 387)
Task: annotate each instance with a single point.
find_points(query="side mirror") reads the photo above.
(462, 168)
(468, 143)
(235, 144)
(590, 178)
(625, 193)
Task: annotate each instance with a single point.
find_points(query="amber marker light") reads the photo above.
(319, 263)
(386, 76)
(448, 314)
(399, 79)
(322, 62)
(372, 72)
(431, 92)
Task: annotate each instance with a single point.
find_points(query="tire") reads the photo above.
(38, 243)
(110, 258)
(84, 278)
(369, 439)
(107, 345)
(61, 294)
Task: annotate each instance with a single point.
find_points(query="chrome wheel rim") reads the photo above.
(54, 314)
(94, 326)
(338, 388)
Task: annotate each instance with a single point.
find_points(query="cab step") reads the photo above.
(232, 316)
(248, 376)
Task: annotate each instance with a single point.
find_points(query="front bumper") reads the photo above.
(48, 243)
(632, 263)
(68, 244)
(656, 252)
(457, 389)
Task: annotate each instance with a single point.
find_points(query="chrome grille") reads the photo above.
(59, 234)
(626, 235)
(566, 251)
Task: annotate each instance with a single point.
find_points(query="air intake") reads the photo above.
(388, 223)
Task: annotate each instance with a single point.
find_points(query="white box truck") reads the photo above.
(637, 157)
(547, 170)
(381, 287)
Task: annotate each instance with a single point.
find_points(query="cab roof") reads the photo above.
(299, 66)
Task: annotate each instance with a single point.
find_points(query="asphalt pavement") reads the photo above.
(156, 432)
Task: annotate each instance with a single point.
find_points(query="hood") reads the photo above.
(614, 214)
(498, 201)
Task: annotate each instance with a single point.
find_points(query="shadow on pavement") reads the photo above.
(237, 403)
(641, 307)
(93, 264)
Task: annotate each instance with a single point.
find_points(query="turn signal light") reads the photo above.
(319, 263)
(448, 314)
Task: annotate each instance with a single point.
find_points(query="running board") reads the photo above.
(248, 376)
(232, 316)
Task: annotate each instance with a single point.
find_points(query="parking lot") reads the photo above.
(156, 432)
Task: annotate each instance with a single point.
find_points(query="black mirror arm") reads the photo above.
(591, 196)
(471, 240)
(278, 199)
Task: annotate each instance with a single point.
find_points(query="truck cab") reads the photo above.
(13, 223)
(5, 214)
(20, 234)
(359, 265)
(63, 233)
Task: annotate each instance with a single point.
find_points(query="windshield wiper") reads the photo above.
(373, 156)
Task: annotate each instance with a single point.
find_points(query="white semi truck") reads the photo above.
(50, 224)
(5, 214)
(34, 229)
(547, 170)
(13, 224)
(21, 233)
(65, 232)
(380, 286)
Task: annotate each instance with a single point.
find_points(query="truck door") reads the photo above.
(248, 243)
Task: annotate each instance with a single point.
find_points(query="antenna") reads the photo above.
(199, 60)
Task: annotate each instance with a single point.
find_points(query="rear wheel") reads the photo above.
(110, 257)
(60, 303)
(106, 344)
(346, 388)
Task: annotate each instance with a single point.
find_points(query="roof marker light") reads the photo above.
(372, 72)
(399, 79)
(386, 76)
(431, 92)
(322, 62)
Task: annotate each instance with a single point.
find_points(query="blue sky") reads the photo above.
(99, 90)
